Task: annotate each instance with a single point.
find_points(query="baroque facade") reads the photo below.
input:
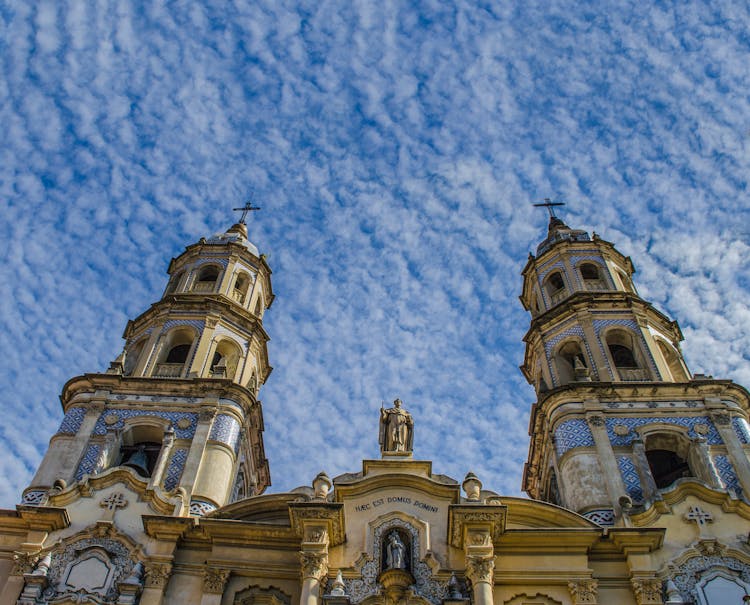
(152, 489)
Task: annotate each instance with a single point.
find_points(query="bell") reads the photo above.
(138, 461)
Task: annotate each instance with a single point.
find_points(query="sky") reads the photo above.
(396, 149)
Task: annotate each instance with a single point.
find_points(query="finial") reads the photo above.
(339, 588)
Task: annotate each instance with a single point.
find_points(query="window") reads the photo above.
(174, 283)
(622, 356)
(555, 287)
(625, 356)
(139, 448)
(668, 455)
(570, 363)
(241, 284)
(225, 360)
(174, 354)
(178, 354)
(672, 359)
(131, 357)
(589, 271)
(207, 279)
(592, 277)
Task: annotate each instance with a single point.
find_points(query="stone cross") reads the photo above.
(700, 516)
(111, 503)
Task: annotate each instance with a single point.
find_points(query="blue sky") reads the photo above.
(396, 149)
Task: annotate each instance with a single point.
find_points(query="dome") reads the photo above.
(558, 232)
(236, 234)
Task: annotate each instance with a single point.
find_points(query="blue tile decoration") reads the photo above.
(601, 516)
(199, 508)
(572, 433)
(727, 474)
(34, 497)
(212, 260)
(630, 478)
(174, 323)
(741, 428)
(558, 265)
(175, 468)
(574, 330)
(226, 430)
(71, 422)
(712, 437)
(187, 433)
(89, 460)
(630, 326)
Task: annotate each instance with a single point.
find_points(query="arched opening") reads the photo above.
(668, 458)
(627, 283)
(624, 354)
(241, 284)
(207, 278)
(140, 447)
(174, 283)
(225, 360)
(175, 353)
(592, 277)
(131, 357)
(555, 286)
(672, 359)
(570, 363)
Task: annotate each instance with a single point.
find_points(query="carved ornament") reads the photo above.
(468, 515)
(157, 574)
(214, 580)
(480, 569)
(314, 565)
(647, 591)
(596, 420)
(332, 513)
(583, 591)
(24, 562)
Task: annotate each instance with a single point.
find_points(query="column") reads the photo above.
(161, 462)
(648, 485)
(197, 447)
(314, 569)
(737, 454)
(707, 469)
(607, 461)
(157, 576)
(480, 562)
(584, 591)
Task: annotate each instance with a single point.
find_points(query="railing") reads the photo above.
(204, 286)
(595, 284)
(168, 370)
(632, 374)
(558, 296)
(219, 372)
(238, 296)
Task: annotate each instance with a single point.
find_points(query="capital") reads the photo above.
(314, 565)
(480, 569)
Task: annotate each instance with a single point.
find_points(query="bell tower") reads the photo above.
(619, 419)
(176, 417)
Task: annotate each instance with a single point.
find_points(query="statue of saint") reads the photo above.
(396, 429)
(395, 556)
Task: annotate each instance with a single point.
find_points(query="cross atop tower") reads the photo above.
(248, 207)
(549, 205)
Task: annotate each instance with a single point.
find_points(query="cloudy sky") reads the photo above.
(396, 149)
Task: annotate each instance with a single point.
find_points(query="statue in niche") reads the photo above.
(395, 553)
(396, 429)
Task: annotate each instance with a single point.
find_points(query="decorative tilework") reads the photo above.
(212, 260)
(727, 474)
(175, 468)
(186, 433)
(88, 463)
(601, 516)
(199, 508)
(225, 430)
(572, 433)
(630, 478)
(741, 428)
(558, 265)
(712, 437)
(34, 497)
(71, 422)
(195, 323)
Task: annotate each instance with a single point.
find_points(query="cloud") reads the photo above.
(395, 152)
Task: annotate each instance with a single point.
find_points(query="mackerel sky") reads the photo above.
(396, 149)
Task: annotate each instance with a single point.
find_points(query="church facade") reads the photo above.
(152, 489)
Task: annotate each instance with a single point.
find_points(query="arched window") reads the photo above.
(624, 354)
(140, 447)
(627, 283)
(241, 284)
(225, 360)
(555, 286)
(672, 359)
(570, 363)
(592, 277)
(668, 454)
(207, 279)
(131, 357)
(174, 282)
(174, 354)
